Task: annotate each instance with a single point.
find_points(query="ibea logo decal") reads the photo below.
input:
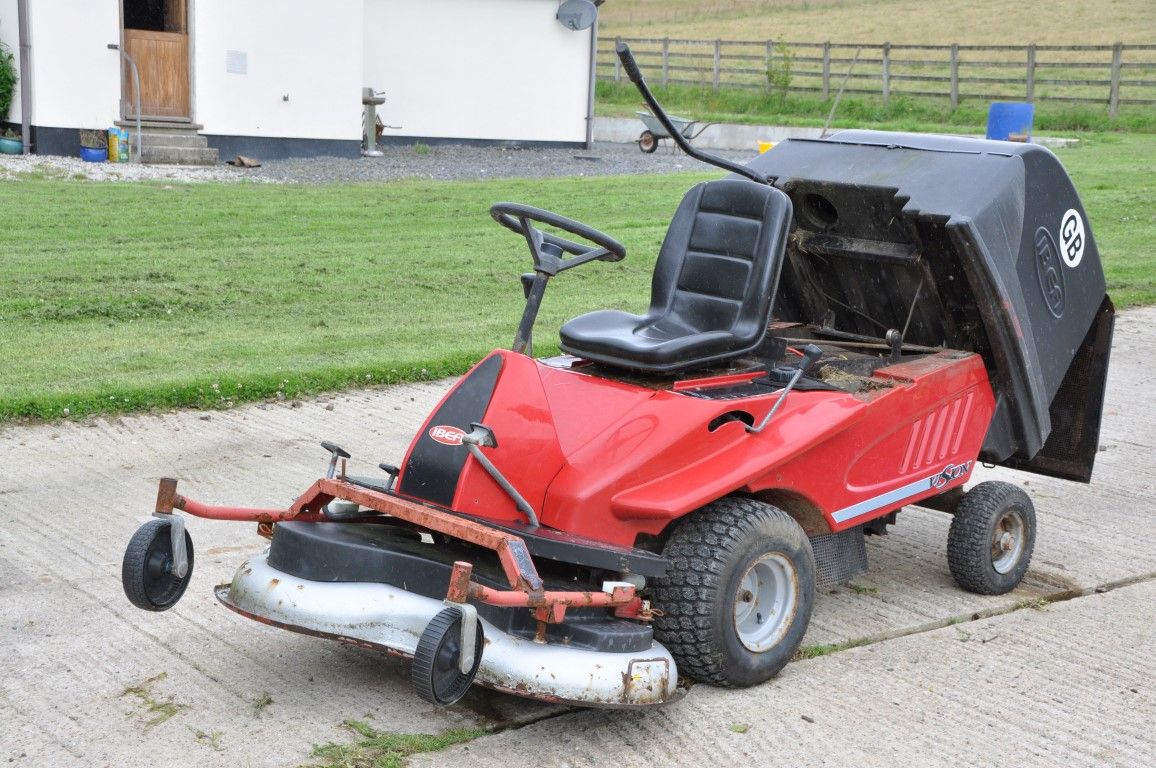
(949, 473)
(446, 435)
(1072, 238)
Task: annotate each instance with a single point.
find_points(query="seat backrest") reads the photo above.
(719, 264)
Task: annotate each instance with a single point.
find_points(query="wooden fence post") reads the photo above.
(1114, 93)
(955, 76)
(1031, 87)
(826, 70)
(665, 60)
(767, 55)
(886, 73)
(617, 62)
(717, 61)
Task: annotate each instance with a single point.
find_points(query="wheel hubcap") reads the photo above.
(1007, 541)
(765, 602)
(445, 666)
(159, 565)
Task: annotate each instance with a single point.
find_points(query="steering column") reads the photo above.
(549, 254)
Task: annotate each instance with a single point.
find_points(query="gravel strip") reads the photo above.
(12, 167)
(441, 162)
(446, 162)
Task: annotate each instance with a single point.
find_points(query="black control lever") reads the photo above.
(392, 471)
(336, 452)
(894, 340)
(811, 355)
(632, 71)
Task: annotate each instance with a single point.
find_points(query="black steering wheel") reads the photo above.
(550, 261)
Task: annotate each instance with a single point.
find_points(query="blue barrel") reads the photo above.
(1010, 120)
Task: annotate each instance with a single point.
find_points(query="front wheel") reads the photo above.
(148, 574)
(991, 538)
(647, 142)
(737, 599)
(435, 673)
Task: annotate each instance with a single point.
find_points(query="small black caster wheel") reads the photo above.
(647, 142)
(147, 573)
(436, 675)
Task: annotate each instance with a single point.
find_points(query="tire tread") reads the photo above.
(969, 538)
(132, 569)
(688, 594)
(422, 670)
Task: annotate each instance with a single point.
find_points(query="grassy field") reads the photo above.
(902, 113)
(919, 77)
(981, 22)
(123, 297)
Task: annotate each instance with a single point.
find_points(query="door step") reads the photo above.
(178, 155)
(170, 143)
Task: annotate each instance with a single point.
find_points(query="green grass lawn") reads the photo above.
(123, 297)
(119, 297)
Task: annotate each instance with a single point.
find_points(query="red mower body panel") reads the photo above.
(609, 460)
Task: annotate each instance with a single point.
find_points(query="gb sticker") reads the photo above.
(1072, 238)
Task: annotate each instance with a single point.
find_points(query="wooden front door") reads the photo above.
(156, 37)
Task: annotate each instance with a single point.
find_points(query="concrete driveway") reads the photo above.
(1060, 672)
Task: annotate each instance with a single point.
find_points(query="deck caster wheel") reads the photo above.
(991, 538)
(148, 573)
(436, 673)
(647, 142)
(737, 599)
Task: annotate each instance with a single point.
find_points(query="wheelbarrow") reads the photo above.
(649, 138)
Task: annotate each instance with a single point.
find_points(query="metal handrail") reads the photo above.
(136, 85)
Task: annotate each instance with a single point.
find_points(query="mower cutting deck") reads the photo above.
(837, 330)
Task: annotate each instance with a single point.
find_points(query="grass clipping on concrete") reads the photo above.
(380, 749)
(123, 297)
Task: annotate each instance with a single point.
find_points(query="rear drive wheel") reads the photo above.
(647, 142)
(147, 573)
(991, 539)
(738, 596)
(435, 673)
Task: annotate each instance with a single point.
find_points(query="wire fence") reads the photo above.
(1107, 75)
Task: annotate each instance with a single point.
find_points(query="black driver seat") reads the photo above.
(713, 284)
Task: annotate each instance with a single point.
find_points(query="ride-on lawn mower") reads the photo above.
(840, 328)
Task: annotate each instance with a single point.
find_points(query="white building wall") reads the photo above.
(478, 69)
(75, 77)
(308, 51)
